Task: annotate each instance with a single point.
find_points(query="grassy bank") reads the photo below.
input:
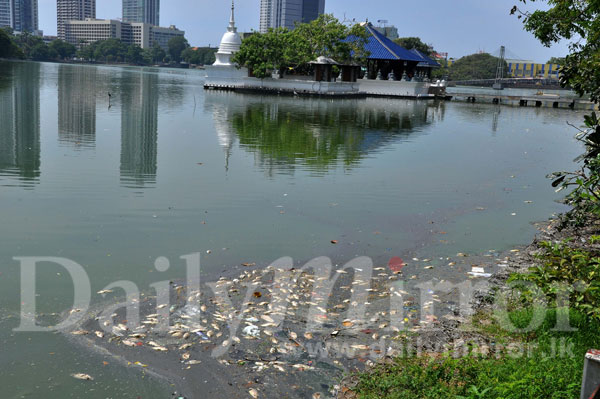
(523, 355)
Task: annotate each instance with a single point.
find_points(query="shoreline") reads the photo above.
(284, 357)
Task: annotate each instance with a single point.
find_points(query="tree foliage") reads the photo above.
(157, 54)
(177, 46)
(199, 55)
(8, 48)
(63, 49)
(415, 43)
(475, 66)
(281, 48)
(556, 60)
(579, 22)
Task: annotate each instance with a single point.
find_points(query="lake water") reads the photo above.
(113, 167)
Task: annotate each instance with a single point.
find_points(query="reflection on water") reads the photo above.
(139, 130)
(77, 92)
(20, 122)
(316, 134)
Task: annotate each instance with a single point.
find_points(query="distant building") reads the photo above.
(391, 32)
(285, 13)
(20, 15)
(73, 10)
(147, 11)
(527, 69)
(144, 35)
(530, 69)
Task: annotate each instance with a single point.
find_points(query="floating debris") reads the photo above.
(82, 376)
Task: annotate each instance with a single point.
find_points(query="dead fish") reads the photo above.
(102, 292)
(160, 348)
(128, 342)
(99, 334)
(192, 362)
(82, 376)
(267, 318)
(80, 332)
(253, 392)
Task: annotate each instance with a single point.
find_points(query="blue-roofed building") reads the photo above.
(386, 57)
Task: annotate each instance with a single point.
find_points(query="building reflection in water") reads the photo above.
(317, 135)
(20, 122)
(139, 129)
(77, 91)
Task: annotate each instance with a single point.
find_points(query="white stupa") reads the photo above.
(230, 43)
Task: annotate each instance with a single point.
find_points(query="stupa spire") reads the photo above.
(232, 27)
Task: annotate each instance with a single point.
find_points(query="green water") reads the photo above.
(162, 168)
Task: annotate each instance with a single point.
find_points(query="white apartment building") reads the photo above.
(81, 33)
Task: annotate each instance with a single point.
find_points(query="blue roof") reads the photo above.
(382, 48)
(426, 60)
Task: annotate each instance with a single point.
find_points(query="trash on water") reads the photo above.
(251, 330)
(479, 272)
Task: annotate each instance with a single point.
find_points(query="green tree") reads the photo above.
(199, 55)
(579, 22)
(8, 48)
(135, 55)
(177, 45)
(157, 53)
(63, 49)
(263, 52)
(556, 60)
(281, 48)
(40, 52)
(475, 66)
(415, 43)
(192, 56)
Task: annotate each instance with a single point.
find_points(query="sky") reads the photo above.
(458, 27)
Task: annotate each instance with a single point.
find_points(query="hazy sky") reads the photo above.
(459, 27)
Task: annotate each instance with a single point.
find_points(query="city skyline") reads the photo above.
(473, 27)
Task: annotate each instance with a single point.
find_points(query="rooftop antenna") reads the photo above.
(383, 22)
(500, 70)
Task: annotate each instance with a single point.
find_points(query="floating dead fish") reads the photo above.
(253, 392)
(128, 342)
(267, 318)
(99, 334)
(82, 376)
(102, 292)
(160, 348)
(80, 332)
(360, 347)
(192, 362)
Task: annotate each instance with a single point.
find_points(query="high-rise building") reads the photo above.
(81, 33)
(21, 15)
(6, 13)
(73, 10)
(285, 13)
(147, 11)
